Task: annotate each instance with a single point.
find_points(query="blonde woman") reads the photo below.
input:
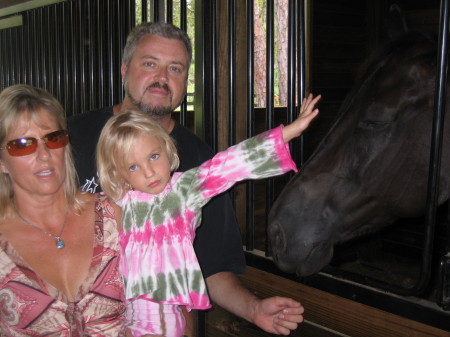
(58, 248)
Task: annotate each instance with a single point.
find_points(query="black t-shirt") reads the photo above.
(218, 242)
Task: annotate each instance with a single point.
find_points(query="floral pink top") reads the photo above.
(158, 259)
(29, 306)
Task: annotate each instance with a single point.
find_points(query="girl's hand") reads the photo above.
(307, 113)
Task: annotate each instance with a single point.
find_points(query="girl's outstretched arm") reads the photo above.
(308, 112)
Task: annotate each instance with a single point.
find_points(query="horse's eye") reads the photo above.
(373, 125)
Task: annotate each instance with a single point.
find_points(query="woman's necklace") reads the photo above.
(59, 243)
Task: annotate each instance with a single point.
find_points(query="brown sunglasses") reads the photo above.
(28, 145)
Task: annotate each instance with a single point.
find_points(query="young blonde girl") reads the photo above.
(136, 160)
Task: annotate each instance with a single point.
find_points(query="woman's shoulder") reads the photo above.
(98, 203)
(106, 209)
(87, 199)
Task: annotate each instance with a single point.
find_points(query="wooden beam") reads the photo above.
(12, 21)
(8, 7)
(334, 313)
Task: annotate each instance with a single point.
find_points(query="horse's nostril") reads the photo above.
(277, 238)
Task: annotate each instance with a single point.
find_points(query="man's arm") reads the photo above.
(278, 315)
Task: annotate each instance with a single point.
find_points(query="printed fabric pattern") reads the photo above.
(29, 306)
(158, 259)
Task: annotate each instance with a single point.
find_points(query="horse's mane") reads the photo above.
(377, 59)
(382, 54)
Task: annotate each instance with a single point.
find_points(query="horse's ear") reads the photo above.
(395, 23)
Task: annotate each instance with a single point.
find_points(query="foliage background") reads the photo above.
(280, 55)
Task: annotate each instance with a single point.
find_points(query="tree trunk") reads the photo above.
(282, 49)
(259, 59)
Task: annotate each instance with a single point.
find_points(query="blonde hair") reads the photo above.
(24, 101)
(116, 141)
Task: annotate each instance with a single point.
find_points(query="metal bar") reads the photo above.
(269, 100)
(205, 87)
(11, 71)
(25, 55)
(43, 59)
(291, 85)
(36, 47)
(291, 61)
(231, 73)
(81, 92)
(183, 15)
(3, 63)
(128, 21)
(74, 64)
(65, 42)
(436, 147)
(58, 52)
(131, 16)
(183, 26)
(100, 56)
(201, 100)
(214, 81)
(250, 232)
(94, 94)
(117, 47)
(155, 10)
(301, 71)
(110, 60)
(14, 62)
(51, 52)
(28, 40)
(169, 11)
(144, 12)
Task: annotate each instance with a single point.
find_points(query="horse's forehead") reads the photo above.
(404, 71)
(394, 101)
(396, 91)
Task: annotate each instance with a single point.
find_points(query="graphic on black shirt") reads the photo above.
(90, 186)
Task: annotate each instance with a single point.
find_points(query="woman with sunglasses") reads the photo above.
(58, 248)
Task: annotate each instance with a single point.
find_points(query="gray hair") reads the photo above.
(162, 29)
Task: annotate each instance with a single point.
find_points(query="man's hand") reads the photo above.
(278, 315)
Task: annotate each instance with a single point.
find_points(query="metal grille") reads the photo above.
(72, 49)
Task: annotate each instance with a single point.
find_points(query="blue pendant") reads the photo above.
(60, 243)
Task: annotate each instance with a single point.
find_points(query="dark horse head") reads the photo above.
(372, 166)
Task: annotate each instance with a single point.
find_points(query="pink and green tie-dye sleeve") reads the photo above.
(265, 155)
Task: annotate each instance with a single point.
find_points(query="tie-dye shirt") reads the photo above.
(158, 260)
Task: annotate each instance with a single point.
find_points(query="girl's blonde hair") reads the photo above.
(24, 101)
(116, 141)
